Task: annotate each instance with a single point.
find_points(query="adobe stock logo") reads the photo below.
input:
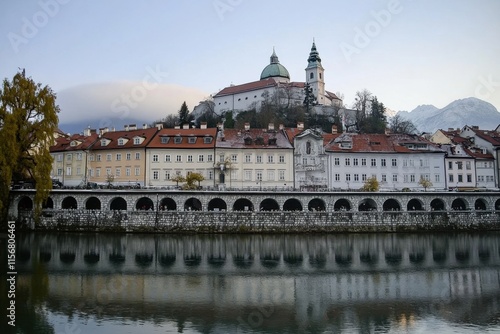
(223, 6)
(364, 36)
(31, 27)
(486, 87)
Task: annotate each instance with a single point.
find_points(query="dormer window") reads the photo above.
(207, 140)
(346, 145)
(73, 143)
(164, 139)
(178, 140)
(137, 141)
(104, 142)
(192, 140)
(121, 142)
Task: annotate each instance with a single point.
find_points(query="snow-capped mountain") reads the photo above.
(468, 111)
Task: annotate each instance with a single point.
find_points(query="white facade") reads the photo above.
(310, 161)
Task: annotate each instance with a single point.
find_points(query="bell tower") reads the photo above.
(315, 75)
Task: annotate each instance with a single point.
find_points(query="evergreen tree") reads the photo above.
(28, 121)
(309, 99)
(184, 116)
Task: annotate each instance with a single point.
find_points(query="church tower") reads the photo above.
(315, 75)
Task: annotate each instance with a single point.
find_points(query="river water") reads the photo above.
(344, 283)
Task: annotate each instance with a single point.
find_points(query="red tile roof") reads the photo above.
(252, 139)
(198, 135)
(255, 85)
(113, 136)
(82, 143)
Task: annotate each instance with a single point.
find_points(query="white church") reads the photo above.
(275, 79)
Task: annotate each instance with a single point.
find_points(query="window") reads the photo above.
(200, 157)
(281, 175)
(450, 178)
(137, 171)
(469, 178)
(394, 177)
(374, 162)
(270, 175)
(128, 156)
(177, 140)
(248, 175)
(460, 178)
(337, 161)
(221, 158)
(167, 158)
(248, 158)
(189, 158)
(78, 171)
(59, 157)
(384, 178)
(234, 158)
(99, 157)
(108, 157)
(270, 159)
(258, 159)
(258, 175)
(207, 140)
(437, 178)
(363, 177)
(91, 157)
(178, 158)
(348, 177)
(363, 162)
(118, 156)
(108, 171)
(405, 163)
(155, 157)
(282, 159)
(460, 164)
(405, 178)
(91, 172)
(164, 139)
(355, 161)
(127, 171)
(137, 141)
(156, 175)
(347, 161)
(79, 156)
(210, 174)
(69, 157)
(98, 172)
(412, 178)
(337, 177)
(118, 172)
(138, 156)
(394, 162)
(304, 161)
(383, 163)
(167, 175)
(210, 158)
(59, 171)
(468, 165)
(308, 147)
(356, 177)
(450, 165)
(121, 142)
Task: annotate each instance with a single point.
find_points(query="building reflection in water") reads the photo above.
(272, 282)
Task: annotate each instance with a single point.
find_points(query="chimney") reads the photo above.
(282, 127)
(450, 129)
(144, 126)
(177, 127)
(220, 126)
(103, 130)
(247, 126)
(126, 127)
(334, 129)
(185, 126)
(300, 125)
(387, 131)
(132, 127)
(270, 127)
(475, 127)
(86, 132)
(159, 125)
(203, 125)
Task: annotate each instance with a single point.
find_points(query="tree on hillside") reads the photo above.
(375, 120)
(28, 121)
(309, 98)
(184, 116)
(398, 124)
(362, 104)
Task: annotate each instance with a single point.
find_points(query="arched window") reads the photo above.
(311, 75)
(308, 147)
(320, 76)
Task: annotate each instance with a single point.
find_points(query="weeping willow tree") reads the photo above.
(28, 121)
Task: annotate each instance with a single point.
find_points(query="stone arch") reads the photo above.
(437, 204)
(269, 204)
(243, 261)
(91, 258)
(391, 205)
(118, 203)
(192, 260)
(25, 204)
(192, 204)
(144, 203)
(243, 204)
(93, 203)
(167, 260)
(480, 204)
(67, 257)
(415, 205)
(292, 204)
(168, 204)
(342, 204)
(316, 204)
(217, 204)
(44, 256)
(48, 204)
(144, 260)
(459, 204)
(367, 204)
(69, 203)
(116, 258)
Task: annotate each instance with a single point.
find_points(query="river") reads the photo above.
(309, 283)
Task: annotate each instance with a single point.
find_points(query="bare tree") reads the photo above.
(398, 124)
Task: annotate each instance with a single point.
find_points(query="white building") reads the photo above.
(397, 161)
(276, 79)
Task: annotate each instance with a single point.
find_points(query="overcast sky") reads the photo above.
(143, 58)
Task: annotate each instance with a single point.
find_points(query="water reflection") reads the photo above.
(275, 283)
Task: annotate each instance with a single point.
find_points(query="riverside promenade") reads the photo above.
(177, 211)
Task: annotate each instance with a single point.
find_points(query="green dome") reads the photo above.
(274, 69)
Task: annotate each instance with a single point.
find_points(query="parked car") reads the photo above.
(56, 184)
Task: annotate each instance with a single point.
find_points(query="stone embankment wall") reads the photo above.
(260, 222)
